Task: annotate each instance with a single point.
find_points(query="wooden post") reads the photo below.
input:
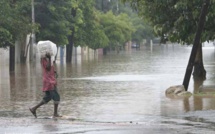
(31, 51)
(196, 43)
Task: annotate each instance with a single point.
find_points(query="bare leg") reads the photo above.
(33, 109)
(56, 111)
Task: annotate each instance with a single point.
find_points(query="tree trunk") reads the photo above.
(69, 48)
(22, 57)
(199, 70)
(12, 58)
(105, 51)
(196, 44)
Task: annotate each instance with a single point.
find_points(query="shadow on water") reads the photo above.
(128, 86)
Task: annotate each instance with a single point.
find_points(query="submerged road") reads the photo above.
(115, 94)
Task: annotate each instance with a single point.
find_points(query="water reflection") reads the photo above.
(4, 84)
(118, 87)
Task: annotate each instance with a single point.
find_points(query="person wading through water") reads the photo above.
(49, 86)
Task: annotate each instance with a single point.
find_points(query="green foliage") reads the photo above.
(59, 19)
(14, 23)
(87, 28)
(118, 28)
(178, 19)
(56, 20)
(142, 29)
(5, 38)
(53, 18)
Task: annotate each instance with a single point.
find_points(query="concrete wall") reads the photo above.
(4, 73)
(23, 45)
(128, 46)
(78, 54)
(4, 57)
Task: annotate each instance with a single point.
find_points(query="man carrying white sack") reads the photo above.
(47, 50)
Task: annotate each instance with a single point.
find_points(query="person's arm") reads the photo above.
(55, 71)
(56, 74)
(48, 66)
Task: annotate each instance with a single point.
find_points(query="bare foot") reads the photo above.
(33, 112)
(56, 115)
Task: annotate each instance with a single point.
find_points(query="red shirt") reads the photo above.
(49, 80)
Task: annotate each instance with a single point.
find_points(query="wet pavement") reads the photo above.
(115, 94)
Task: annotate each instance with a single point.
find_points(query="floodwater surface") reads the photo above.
(125, 87)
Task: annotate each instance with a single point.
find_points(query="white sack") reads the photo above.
(47, 47)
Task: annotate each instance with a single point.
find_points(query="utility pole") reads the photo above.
(117, 7)
(31, 54)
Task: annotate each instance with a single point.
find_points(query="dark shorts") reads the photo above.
(51, 95)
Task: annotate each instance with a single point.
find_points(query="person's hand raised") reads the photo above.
(48, 55)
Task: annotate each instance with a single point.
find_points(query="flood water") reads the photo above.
(129, 86)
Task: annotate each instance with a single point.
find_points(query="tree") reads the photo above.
(82, 25)
(118, 28)
(74, 17)
(90, 32)
(14, 25)
(56, 22)
(14, 21)
(177, 20)
(196, 43)
(51, 15)
(85, 27)
(71, 22)
(142, 29)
